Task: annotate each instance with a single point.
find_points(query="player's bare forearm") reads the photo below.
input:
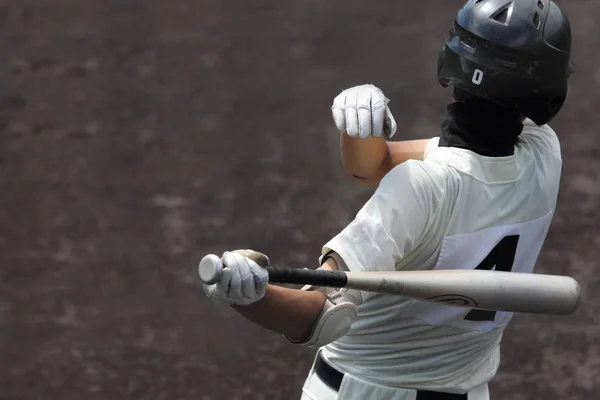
(369, 160)
(364, 159)
(290, 312)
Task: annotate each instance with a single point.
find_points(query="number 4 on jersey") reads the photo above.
(502, 257)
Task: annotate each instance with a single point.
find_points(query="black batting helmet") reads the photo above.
(516, 53)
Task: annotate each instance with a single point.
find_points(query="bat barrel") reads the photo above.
(485, 290)
(537, 293)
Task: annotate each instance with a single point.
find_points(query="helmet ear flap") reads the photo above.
(541, 111)
(556, 104)
(440, 67)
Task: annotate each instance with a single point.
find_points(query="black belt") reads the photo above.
(333, 378)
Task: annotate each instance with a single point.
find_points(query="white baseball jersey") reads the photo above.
(454, 210)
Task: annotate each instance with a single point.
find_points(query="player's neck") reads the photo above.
(482, 127)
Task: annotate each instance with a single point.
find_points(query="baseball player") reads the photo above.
(481, 195)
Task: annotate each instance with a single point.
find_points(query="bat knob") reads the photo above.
(210, 269)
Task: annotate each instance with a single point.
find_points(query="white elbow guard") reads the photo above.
(336, 317)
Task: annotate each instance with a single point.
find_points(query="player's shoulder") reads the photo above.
(427, 181)
(426, 177)
(541, 138)
(413, 172)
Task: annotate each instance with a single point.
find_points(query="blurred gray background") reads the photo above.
(135, 137)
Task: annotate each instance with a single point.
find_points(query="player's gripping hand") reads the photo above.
(362, 111)
(244, 281)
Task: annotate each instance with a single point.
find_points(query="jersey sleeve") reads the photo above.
(391, 224)
(541, 137)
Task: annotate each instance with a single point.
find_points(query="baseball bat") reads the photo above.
(478, 289)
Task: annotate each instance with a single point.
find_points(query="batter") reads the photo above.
(481, 195)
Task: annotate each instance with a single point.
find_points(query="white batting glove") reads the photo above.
(243, 282)
(362, 111)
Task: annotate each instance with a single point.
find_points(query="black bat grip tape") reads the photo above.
(325, 278)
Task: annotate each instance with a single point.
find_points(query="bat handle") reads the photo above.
(297, 276)
(210, 269)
